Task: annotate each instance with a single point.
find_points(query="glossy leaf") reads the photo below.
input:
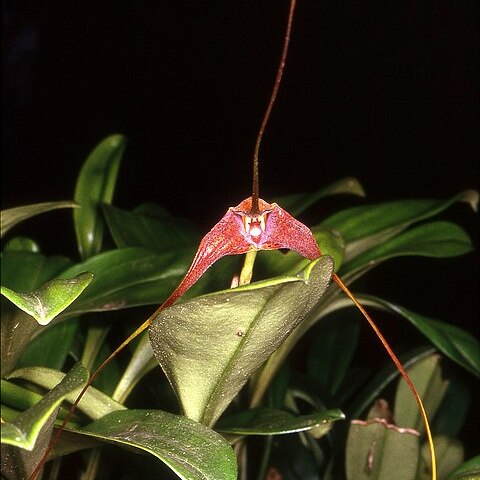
(141, 363)
(454, 410)
(17, 396)
(449, 453)
(21, 398)
(383, 378)
(470, 470)
(426, 375)
(22, 244)
(51, 347)
(270, 421)
(456, 343)
(191, 450)
(94, 403)
(138, 229)
(369, 225)
(129, 277)
(13, 216)
(275, 262)
(95, 185)
(25, 271)
(209, 346)
(435, 239)
(378, 449)
(298, 203)
(24, 430)
(22, 271)
(52, 298)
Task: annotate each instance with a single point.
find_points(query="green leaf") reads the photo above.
(21, 244)
(129, 277)
(22, 271)
(369, 225)
(49, 300)
(270, 421)
(17, 396)
(95, 185)
(457, 344)
(453, 411)
(191, 450)
(21, 398)
(13, 216)
(94, 403)
(426, 375)
(134, 229)
(383, 378)
(298, 203)
(275, 263)
(142, 362)
(331, 352)
(377, 449)
(470, 470)
(25, 439)
(25, 271)
(435, 239)
(449, 453)
(24, 430)
(51, 347)
(209, 346)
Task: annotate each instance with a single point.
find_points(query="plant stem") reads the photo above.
(247, 270)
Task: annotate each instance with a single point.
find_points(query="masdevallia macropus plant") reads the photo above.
(252, 225)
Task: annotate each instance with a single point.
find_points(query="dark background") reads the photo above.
(384, 91)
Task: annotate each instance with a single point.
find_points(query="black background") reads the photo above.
(384, 91)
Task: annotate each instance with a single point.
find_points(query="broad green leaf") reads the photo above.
(275, 263)
(22, 271)
(52, 298)
(17, 396)
(130, 277)
(95, 338)
(470, 470)
(51, 347)
(279, 387)
(24, 430)
(95, 185)
(454, 410)
(22, 399)
(270, 421)
(94, 403)
(427, 378)
(449, 454)
(209, 346)
(190, 449)
(435, 239)
(377, 449)
(298, 203)
(22, 244)
(25, 439)
(370, 225)
(133, 229)
(25, 271)
(383, 378)
(13, 216)
(456, 343)
(142, 362)
(331, 352)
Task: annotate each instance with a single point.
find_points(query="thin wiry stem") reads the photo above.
(276, 86)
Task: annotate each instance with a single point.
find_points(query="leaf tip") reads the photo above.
(471, 197)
